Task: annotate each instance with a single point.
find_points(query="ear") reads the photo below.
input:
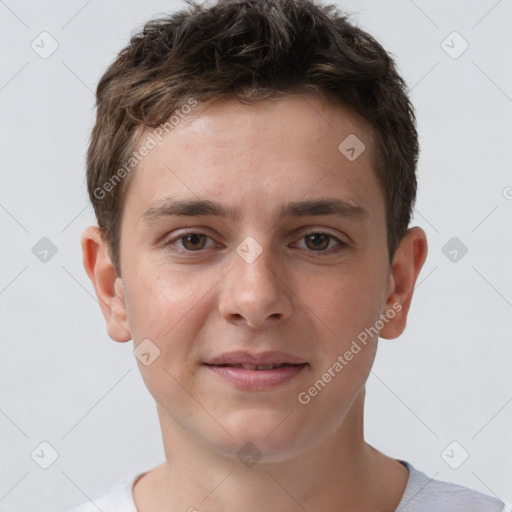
(407, 263)
(108, 286)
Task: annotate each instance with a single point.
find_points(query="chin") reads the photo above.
(266, 436)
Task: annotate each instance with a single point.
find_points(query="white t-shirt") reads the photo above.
(422, 494)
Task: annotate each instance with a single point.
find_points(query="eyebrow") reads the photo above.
(196, 208)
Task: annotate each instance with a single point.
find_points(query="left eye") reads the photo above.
(320, 241)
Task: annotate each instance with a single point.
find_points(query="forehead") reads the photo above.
(301, 146)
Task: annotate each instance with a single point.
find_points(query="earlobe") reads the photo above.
(407, 263)
(108, 286)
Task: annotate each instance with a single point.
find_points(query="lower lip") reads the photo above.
(255, 380)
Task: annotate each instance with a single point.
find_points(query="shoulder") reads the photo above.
(118, 499)
(424, 494)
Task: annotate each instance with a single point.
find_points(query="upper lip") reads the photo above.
(261, 358)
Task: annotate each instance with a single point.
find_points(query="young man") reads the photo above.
(252, 169)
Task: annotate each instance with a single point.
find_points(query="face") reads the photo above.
(285, 265)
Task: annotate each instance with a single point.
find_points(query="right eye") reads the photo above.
(190, 242)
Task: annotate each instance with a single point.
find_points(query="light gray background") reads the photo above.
(63, 381)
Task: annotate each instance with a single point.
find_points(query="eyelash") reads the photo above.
(341, 245)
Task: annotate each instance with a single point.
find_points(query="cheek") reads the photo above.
(346, 302)
(347, 308)
(170, 307)
(160, 303)
(166, 309)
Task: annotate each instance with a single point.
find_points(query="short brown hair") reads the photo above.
(251, 50)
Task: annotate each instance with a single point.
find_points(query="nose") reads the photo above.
(255, 294)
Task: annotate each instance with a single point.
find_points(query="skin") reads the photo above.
(310, 303)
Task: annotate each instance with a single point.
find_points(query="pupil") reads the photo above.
(193, 238)
(318, 237)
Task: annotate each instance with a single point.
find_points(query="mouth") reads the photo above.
(256, 367)
(257, 359)
(256, 372)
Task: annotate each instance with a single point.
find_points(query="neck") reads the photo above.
(341, 473)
